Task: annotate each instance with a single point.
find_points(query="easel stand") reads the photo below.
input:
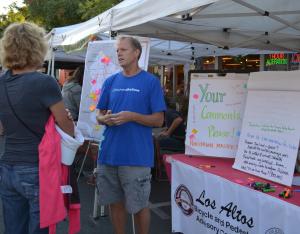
(95, 207)
(82, 164)
(90, 143)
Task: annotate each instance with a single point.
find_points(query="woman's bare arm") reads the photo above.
(62, 119)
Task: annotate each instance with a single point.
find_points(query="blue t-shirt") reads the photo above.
(130, 144)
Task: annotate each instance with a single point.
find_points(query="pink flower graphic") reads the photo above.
(195, 96)
(192, 137)
(97, 92)
(106, 60)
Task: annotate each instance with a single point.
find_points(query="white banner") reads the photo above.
(208, 204)
(216, 106)
(100, 63)
(269, 139)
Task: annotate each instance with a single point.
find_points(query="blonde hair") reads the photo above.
(23, 45)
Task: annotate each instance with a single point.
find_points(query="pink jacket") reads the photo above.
(52, 174)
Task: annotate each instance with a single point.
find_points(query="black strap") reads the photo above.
(18, 118)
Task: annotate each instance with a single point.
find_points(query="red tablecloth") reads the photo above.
(223, 168)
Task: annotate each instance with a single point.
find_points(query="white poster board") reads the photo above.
(216, 106)
(269, 139)
(203, 203)
(100, 63)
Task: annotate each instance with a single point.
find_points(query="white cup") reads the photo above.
(69, 145)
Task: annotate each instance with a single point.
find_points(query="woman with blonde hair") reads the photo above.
(27, 99)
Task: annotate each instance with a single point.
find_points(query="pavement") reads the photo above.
(159, 206)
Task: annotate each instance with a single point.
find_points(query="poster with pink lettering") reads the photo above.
(216, 107)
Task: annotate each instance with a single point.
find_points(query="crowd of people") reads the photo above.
(131, 104)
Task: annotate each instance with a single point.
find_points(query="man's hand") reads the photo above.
(105, 118)
(151, 120)
(122, 117)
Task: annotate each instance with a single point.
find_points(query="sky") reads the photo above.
(6, 3)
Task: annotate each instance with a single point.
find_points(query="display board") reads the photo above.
(269, 140)
(216, 106)
(100, 63)
(209, 204)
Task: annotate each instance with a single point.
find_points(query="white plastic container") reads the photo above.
(69, 145)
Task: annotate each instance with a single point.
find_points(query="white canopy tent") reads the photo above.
(221, 24)
(264, 24)
(162, 52)
(121, 15)
(259, 24)
(165, 52)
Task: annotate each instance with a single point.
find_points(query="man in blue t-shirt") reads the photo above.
(131, 103)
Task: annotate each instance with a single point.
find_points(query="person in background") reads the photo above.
(71, 92)
(172, 137)
(1, 70)
(27, 99)
(131, 104)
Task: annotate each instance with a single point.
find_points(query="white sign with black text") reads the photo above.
(269, 140)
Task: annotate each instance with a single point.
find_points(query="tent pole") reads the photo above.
(186, 69)
(110, 25)
(51, 52)
(52, 62)
(261, 62)
(49, 62)
(174, 82)
(216, 67)
(161, 75)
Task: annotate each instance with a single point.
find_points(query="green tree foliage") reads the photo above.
(14, 14)
(90, 8)
(54, 13)
(57, 13)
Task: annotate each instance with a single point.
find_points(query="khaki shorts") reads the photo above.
(129, 184)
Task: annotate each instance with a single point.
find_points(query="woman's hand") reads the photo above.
(69, 115)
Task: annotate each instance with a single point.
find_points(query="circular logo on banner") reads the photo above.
(274, 231)
(184, 200)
